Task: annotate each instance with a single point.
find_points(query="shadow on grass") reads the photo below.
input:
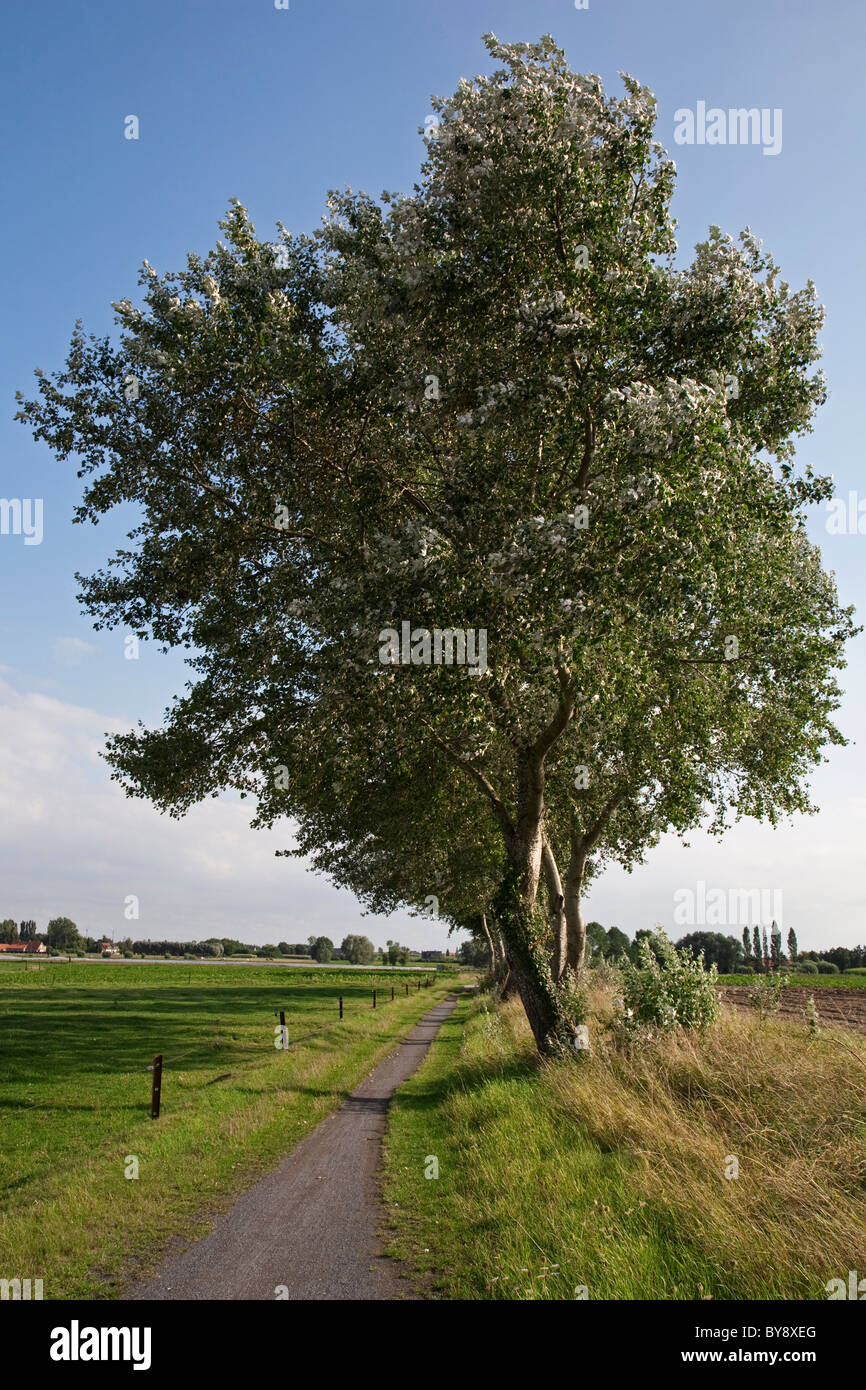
(68, 1030)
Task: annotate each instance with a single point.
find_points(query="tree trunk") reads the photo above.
(556, 911)
(525, 932)
(525, 929)
(490, 947)
(575, 924)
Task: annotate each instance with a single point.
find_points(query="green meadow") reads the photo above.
(76, 1042)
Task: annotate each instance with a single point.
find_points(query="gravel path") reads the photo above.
(312, 1224)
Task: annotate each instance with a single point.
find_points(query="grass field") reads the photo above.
(608, 1174)
(75, 1044)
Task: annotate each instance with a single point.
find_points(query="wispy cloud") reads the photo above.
(71, 651)
(72, 843)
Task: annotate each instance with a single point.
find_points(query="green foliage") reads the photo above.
(676, 992)
(616, 943)
(651, 938)
(827, 967)
(358, 949)
(725, 952)
(474, 952)
(580, 486)
(322, 949)
(807, 967)
(596, 937)
(63, 936)
(766, 993)
(8, 931)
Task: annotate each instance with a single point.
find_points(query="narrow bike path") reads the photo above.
(310, 1227)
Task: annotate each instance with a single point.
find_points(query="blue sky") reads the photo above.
(238, 99)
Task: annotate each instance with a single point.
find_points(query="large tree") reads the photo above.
(62, 935)
(358, 949)
(725, 952)
(492, 404)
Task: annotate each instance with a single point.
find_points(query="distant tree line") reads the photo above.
(757, 952)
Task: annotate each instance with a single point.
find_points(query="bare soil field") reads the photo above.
(840, 1006)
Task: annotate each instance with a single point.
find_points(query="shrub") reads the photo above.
(668, 993)
(806, 967)
(826, 967)
(766, 993)
(743, 970)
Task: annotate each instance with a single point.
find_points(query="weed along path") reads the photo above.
(309, 1230)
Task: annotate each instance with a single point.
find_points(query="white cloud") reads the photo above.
(72, 843)
(71, 651)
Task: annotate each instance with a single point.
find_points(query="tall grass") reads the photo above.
(608, 1173)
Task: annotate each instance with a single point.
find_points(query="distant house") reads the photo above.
(108, 948)
(432, 955)
(24, 948)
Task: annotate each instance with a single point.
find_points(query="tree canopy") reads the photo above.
(358, 949)
(62, 935)
(492, 405)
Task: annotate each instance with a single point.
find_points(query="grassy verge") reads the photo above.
(75, 1101)
(608, 1173)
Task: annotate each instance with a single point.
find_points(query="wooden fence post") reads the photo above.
(374, 999)
(157, 1087)
(341, 1006)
